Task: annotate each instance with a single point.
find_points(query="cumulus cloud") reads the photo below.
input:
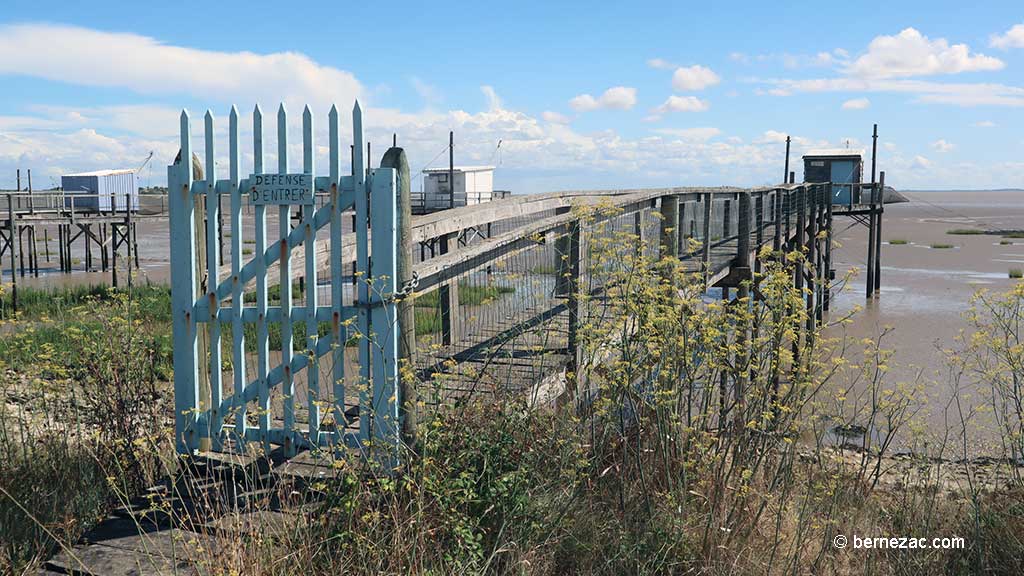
(617, 97)
(893, 63)
(856, 104)
(682, 104)
(961, 94)
(554, 117)
(694, 78)
(144, 65)
(984, 124)
(1012, 38)
(911, 53)
(942, 145)
(539, 152)
(660, 64)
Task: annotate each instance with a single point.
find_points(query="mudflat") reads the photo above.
(928, 279)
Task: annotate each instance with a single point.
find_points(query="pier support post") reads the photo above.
(113, 254)
(12, 231)
(758, 227)
(449, 297)
(638, 231)
(878, 233)
(811, 255)
(742, 262)
(562, 283)
(573, 276)
(798, 269)
(830, 274)
(708, 199)
(869, 284)
(777, 216)
(669, 227)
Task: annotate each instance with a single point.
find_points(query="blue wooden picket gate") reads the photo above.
(245, 416)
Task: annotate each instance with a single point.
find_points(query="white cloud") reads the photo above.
(694, 78)
(911, 53)
(943, 146)
(493, 102)
(920, 162)
(984, 124)
(682, 104)
(740, 57)
(660, 64)
(555, 117)
(961, 94)
(773, 137)
(538, 152)
(428, 92)
(1012, 38)
(700, 134)
(144, 65)
(856, 104)
(618, 97)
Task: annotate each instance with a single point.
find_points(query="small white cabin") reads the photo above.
(473, 185)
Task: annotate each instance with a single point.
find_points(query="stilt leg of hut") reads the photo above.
(812, 242)
(829, 273)
(88, 247)
(114, 244)
(21, 251)
(870, 283)
(878, 234)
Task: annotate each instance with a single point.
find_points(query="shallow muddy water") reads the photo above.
(926, 291)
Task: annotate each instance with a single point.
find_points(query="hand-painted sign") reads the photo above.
(281, 189)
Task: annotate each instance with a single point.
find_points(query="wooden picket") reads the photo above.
(244, 418)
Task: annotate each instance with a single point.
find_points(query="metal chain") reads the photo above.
(409, 287)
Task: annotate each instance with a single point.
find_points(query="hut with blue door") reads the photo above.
(839, 166)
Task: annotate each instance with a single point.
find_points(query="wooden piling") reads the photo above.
(10, 248)
(574, 261)
(449, 298)
(669, 226)
(811, 257)
(707, 198)
(798, 269)
(878, 233)
(830, 274)
(869, 284)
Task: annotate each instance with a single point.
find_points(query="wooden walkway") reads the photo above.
(513, 345)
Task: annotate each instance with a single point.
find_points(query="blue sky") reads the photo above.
(582, 95)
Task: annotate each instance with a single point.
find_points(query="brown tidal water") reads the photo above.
(926, 291)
